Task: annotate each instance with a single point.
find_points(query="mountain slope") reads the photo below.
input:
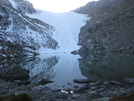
(20, 34)
(67, 27)
(110, 29)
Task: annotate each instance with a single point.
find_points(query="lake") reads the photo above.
(63, 68)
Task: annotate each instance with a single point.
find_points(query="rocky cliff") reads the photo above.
(20, 34)
(110, 28)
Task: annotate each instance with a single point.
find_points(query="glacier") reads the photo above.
(67, 27)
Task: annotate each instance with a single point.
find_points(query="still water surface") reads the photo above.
(64, 68)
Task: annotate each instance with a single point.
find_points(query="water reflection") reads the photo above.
(64, 68)
(60, 68)
(107, 67)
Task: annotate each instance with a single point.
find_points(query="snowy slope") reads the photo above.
(26, 34)
(67, 27)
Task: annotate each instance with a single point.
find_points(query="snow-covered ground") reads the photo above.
(67, 27)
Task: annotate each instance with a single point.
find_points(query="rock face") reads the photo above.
(109, 29)
(20, 34)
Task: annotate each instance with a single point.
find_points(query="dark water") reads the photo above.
(64, 68)
(108, 67)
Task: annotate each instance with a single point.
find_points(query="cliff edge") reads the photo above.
(110, 29)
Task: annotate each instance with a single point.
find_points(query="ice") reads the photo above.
(67, 27)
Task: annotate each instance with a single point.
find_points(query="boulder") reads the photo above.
(82, 81)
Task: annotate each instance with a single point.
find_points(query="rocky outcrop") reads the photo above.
(20, 34)
(109, 29)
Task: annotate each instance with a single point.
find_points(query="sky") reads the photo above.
(59, 6)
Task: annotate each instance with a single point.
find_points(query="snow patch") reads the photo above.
(67, 27)
(13, 4)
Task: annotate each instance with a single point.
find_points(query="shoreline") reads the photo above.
(93, 91)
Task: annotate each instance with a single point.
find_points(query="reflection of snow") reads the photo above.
(66, 70)
(41, 68)
(60, 68)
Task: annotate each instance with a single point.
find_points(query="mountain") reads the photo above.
(67, 27)
(110, 28)
(25, 30)
(20, 34)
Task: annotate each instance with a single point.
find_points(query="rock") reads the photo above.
(82, 80)
(20, 92)
(106, 82)
(3, 91)
(61, 95)
(76, 86)
(45, 81)
(101, 99)
(19, 82)
(74, 52)
(93, 88)
(129, 80)
(132, 52)
(98, 83)
(93, 94)
(55, 90)
(116, 83)
(81, 89)
(75, 96)
(67, 89)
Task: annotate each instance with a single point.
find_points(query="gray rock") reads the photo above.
(80, 89)
(101, 99)
(93, 88)
(55, 90)
(82, 80)
(93, 94)
(106, 82)
(60, 95)
(129, 80)
(45, 81)
(116, 83)
(98, 83)
(20, 92)
(75, 96)
(3, 91)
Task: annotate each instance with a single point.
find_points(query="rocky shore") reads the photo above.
(90, 91)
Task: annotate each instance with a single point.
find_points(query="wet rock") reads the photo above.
(76, 86)
(98, 83)
(80, 89)
(129, 80)
(3, 91)
(45, 81)
(93, 94)
(61, 95)
(93, 88)
(101, 99)
(74, 52)
(55, 90)
(132, 52)
(75, 96)
(20, 92)
(106, 82)
(116, 83)
(82, 80)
